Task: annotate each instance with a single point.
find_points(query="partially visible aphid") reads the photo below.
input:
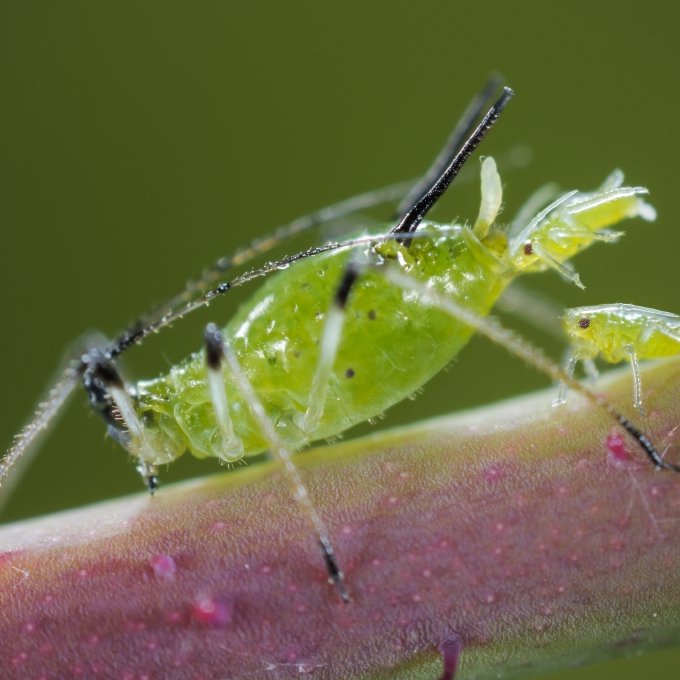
(616, 333)
(343, 331)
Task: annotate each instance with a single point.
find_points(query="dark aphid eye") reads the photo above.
(584, 322)
(528, 249)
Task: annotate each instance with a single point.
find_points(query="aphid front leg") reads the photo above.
(110, 397)
(220, 351)
(637, 382)
(569, 368)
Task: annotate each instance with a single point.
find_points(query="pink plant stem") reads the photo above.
(532, 537)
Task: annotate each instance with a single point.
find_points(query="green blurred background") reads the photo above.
(140, 141)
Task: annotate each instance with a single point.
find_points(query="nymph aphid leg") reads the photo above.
(221, 351)
(637, 382)
(231, 445)
(110, 397)
(569, 368)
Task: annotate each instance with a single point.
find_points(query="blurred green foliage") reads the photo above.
(140, 141)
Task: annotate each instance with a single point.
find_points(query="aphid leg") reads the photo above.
(533, 206)
(25, 442)
(564, 270)
(330, 341)
(231, 445)
(282, 454)
(521, 348)
(111, 399)
(569, 367)
(591, 369)
(637, 382)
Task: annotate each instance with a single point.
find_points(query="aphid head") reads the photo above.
(574, 222)
(580, 328)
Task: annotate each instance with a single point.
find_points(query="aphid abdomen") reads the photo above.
(659, 343)
(391, 342)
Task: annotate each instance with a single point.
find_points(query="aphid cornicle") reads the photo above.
(344, 330)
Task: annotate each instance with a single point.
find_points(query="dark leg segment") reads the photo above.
(459, 134)
(416, 212)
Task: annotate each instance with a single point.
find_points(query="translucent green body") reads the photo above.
(392, 341)
(391, 345)
(612, 331)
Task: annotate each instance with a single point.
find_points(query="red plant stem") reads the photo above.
(535, 536)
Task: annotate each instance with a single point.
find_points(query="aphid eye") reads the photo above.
(528, 249)
(584, 322)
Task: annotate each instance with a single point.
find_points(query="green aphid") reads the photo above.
(616, 333)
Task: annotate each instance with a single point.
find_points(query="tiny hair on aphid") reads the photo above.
(322, 344)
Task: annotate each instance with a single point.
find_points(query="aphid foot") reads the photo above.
(149, 474)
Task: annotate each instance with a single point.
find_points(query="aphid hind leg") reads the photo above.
(223, 352)
(109, 397)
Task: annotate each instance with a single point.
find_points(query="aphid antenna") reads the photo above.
(264, 244)
(523, 349)
(136, 334)
(415, 213)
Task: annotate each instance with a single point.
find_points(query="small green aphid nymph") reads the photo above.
(343, 331)
(616, 333)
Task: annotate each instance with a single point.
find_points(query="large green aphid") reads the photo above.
(344, 330)
(391, 343)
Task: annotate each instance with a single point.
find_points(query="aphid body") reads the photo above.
(620, 332)
(391, 342)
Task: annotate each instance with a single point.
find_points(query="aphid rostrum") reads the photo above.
(619, 332)
(344, 330)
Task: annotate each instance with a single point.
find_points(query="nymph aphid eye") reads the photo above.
(584, 322)
(528, 249)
